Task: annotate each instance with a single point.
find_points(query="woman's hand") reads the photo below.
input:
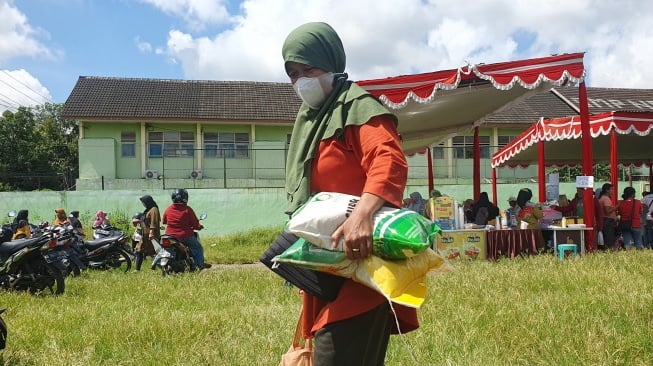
(358, 227)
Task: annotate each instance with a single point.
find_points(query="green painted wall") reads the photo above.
(229, 210)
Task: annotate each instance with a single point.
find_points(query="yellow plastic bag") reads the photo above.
(401, 281)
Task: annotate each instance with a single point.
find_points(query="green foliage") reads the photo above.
(38, 149)
(569, 174)
(591, 310)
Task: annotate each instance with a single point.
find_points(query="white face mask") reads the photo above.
(314, 91)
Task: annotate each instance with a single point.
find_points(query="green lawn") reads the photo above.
(594, 310)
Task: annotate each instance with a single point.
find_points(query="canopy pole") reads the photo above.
(429, 160)
(477, 164)
(588, 165)
(541, 175)
(494, 186)
(614, 169)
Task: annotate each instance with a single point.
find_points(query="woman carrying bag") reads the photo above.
(630, 223)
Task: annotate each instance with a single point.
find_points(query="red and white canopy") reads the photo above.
(435, 106)
(561, 138)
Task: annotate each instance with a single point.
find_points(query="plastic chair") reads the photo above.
(563, 248)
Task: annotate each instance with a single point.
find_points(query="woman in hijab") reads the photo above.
(151, 230)
(100, 219)
(416, 203)
(21, 225)
(343, 140)
(483, 210)
(60, 218)
(529, 212)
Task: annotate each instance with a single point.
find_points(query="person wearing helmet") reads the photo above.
(181, 222)
(151, 230)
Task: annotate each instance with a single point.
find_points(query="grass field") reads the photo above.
(592, 310)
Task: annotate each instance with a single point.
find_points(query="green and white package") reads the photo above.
(398, 233)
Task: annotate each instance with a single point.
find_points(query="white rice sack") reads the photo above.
(398, 233)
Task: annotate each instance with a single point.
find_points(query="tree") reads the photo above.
(38, 150)
(568, 174)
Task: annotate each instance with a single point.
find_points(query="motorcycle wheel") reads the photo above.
(45, 277)
(74, 270)
(118, 260)
(166, 270)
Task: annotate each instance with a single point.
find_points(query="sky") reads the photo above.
(46, 45)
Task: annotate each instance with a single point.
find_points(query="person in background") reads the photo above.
(74, 221)
(101, 219)
(429, 209)
(150, 230)
(573, 208)
(529, 212)
(21, 225)
(415, 202)
(609, 213)
(512, 211)
(343, 140)
(60, 217)
(484, 210)
(647, 222)
(629, 209)
(598, 220)
(468, 206)
(181, 222)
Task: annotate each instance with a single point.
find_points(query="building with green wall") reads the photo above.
(148, 134)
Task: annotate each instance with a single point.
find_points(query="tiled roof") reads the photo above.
(614, 99)
(107, 98)
(531, 109)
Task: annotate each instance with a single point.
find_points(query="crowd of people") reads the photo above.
(626, 224)
(179, 219)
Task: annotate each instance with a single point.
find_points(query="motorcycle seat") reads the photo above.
(13, 246)
(96, 243)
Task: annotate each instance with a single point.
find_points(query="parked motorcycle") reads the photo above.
(61, 252)
(108, 231)
(105, 253)
(35, 230)
(3, 331)
(23, 266)
(174, 256)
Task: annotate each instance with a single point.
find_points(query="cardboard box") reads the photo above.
(462, 244)
(443, 212)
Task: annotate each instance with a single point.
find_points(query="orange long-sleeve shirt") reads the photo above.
(368, 159)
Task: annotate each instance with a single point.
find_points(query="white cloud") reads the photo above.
(197, 14)
(386, 37)
(143, 46)
(17, 37)
(20, 88)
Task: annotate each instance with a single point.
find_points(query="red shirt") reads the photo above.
(625, 209)
(368, 159)
(180, 220)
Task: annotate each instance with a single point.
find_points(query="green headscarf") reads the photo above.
(318, 45)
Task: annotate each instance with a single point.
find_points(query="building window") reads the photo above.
(437, 151)
(226, 145)
(128, 144)
(463, 147)
(170, 144)
(505, 140)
